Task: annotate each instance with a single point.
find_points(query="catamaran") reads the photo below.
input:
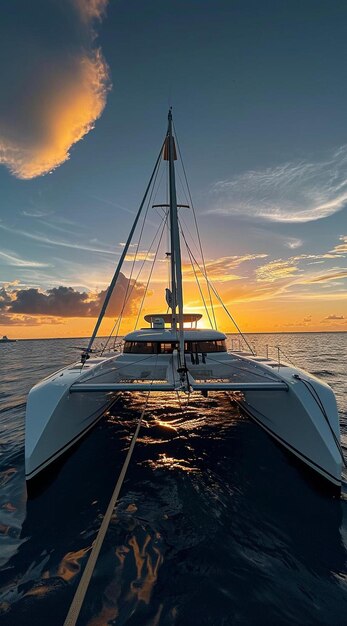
(173, 354)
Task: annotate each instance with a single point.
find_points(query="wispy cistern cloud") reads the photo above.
(341, 248)
(221, 269)
(62, 81)
(294, 192)
(49, 241)
(15, 261)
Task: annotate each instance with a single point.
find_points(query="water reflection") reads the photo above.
(216, 525)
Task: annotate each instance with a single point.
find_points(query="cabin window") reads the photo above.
(140, 347)
(206, 346)
(167, 347)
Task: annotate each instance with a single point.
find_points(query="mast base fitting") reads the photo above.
(84, 357)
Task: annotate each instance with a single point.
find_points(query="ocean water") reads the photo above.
(215, 526)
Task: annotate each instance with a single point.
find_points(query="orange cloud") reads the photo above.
(62, 85)
(277, 270)
(342, 247)
(91, 9)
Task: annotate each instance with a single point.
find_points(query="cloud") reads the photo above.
(334, 317)
(293, 192)
(91, 9)
(54, 82)
(294, 243)
(62, 302)
(332, 275)
(14, 260)
(141, 255)
(35, 213)
(277, 270)
(220, 269)
(56, 242)
(342, 247)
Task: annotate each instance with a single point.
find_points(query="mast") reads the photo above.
(175, 258)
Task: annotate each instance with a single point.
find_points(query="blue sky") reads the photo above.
(259, 93)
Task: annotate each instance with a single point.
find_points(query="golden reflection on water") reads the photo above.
(147, 569)
(138, 561)
(70, 566)
(7, 475)
(147, 558)
(171, 463)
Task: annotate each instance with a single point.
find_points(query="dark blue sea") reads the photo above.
(216, 525)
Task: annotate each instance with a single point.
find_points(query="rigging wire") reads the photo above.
(196, 226)
(85, 354)
(126, 297)
(119, 319)
(199, 286)
(150, 274)
(137, 249)
(219, 298)
(182, 220)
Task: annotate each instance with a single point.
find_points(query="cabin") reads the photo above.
(161, 338)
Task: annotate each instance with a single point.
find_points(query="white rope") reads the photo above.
(81, 591)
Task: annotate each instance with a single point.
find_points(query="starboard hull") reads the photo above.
(305, 422)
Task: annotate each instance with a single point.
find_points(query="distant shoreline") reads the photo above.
(285, 332)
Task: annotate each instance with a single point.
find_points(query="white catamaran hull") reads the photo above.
(57, 419)
(63, 407)
(306, 426)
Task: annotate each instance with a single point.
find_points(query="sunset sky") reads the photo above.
(259, 96)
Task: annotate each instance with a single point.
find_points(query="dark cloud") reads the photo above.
(68, 302)
(5, 298)
(54, 81)
(60, 301)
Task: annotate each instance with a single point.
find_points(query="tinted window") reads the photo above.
(140, 347)
(206, 346)
(167, 347)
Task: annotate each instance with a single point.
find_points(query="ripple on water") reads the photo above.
(215, 525)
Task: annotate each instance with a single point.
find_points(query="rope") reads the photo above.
(81, 591)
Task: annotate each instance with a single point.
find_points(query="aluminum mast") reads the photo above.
(175, 258)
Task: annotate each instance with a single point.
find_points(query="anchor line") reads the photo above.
(78, 599)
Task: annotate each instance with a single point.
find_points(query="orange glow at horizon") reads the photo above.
(256, 317)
